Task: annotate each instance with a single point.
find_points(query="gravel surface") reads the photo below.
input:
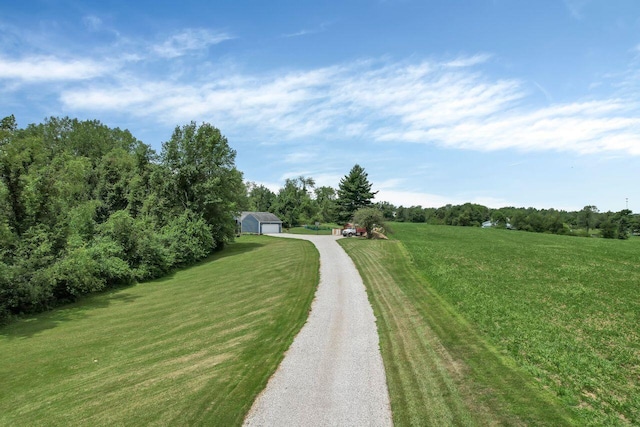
(332, 375)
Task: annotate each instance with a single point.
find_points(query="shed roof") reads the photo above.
(261, 216)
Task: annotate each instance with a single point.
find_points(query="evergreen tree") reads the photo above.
(354, 192)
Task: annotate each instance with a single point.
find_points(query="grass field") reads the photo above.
(565, 309)
(440, 371)
(194, 348)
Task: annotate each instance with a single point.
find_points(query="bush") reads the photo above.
(369, 218)
(113, 269)
(189, 238)
(153, 256)
(77, 274)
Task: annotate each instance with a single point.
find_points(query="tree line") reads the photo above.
(300, 202)
(585, 222)
(84, 207)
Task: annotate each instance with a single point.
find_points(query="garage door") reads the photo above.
(270, 228)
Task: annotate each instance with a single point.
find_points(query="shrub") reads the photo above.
(189, 238)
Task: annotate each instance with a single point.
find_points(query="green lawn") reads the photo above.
(194, 348)
(564, 309)
(440, 370)
(322, 229)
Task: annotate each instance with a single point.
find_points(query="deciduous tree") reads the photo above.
(203, 177)
(368, 218)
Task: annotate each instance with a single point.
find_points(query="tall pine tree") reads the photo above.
(354, 192)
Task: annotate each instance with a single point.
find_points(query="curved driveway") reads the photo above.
(332, 375)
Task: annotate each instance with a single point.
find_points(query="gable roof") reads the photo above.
(261, 216)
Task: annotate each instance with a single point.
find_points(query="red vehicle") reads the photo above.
(350, 230)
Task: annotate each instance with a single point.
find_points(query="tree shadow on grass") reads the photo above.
(33, 324)
(232, 249)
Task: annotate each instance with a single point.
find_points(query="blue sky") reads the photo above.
(499, 102)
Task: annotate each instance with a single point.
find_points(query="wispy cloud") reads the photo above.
(299, 33)
(300, 157)
(448, 103)
(92, 22)
(189, 41)
(576, 7)
(415, 198)
(468, 61)
(35, 69)
(306, 32)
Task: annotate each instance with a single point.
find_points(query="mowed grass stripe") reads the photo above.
(439, 370)
(433, 387)
(194, 348)
(565, 309)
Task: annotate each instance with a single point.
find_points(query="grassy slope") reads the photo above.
(191, 349)
(439, 370)
(566, 309)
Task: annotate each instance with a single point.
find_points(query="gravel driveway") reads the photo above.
(332, 375)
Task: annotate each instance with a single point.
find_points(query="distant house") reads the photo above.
(489, 224)
(259, 223)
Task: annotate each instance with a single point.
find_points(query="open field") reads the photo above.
(565, 309)
(440, 371)
(194, 348)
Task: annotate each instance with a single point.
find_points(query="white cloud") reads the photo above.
(468, 61)
(389, 183)
(299, 33)
(36, 69)
(305, 32)
(188, 41)
(423, 102)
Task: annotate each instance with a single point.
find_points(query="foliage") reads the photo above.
(84, 207)
(325, 199)
(260, 198)
(293, 204)
(387, 209)
(566, 310)
(204, 179)
(354, 192)
(194, 348)
(368, 218)
(189, 238)
(586, 217)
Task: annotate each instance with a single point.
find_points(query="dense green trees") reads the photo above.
(260, 198)
(84, 207)
(299, 201)
(202, 178)
(325, 198)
